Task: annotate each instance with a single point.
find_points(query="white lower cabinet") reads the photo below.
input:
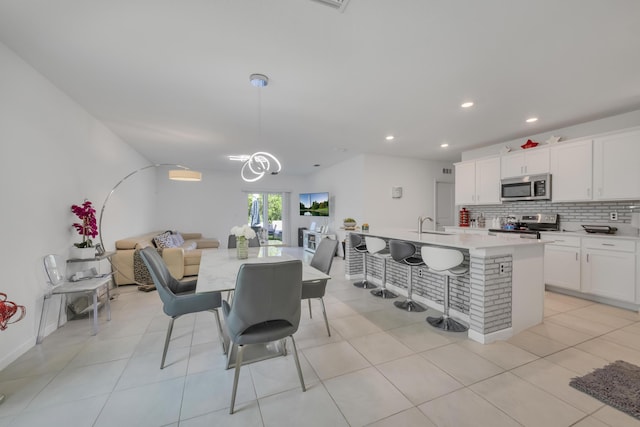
(597, 266)
(562, 263)
(609, 268)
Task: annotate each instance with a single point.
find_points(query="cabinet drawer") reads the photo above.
(609, 244)
(573, 242)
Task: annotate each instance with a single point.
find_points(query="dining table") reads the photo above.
(218, 272)
(219, 267)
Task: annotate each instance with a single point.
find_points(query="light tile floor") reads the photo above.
(380, 367)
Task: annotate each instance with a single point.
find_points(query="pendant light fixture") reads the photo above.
(261, 162)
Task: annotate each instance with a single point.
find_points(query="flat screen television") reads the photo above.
(314, 204)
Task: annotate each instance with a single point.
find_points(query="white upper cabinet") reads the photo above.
(616, 167)
(571, 171)
(478, 182)
(531, 161)
(465, 186)
(488, 181)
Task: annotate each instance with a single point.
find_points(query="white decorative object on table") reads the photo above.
(243, 233)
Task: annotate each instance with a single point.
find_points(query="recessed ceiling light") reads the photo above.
(239, 157)
(390, 138)
(532, 119)
(445, 145)
(467, 104)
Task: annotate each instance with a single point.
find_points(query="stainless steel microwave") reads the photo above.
(528, 187)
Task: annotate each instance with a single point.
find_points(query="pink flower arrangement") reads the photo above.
(88, 226)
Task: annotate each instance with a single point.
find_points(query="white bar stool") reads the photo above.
(378, 248)
(405, 253)
(446, 262)
(359, 246)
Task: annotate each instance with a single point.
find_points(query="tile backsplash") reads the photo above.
(570, 213)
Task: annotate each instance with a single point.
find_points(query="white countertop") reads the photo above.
(460, 241)
(577, 233)
(583, 233)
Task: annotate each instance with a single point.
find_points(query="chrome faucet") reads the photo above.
(421, 221)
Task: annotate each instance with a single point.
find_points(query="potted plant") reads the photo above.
(349, 223)
(87, 228)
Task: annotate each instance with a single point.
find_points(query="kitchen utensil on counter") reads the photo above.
(481, 221)
(603, 229)
(464, 218)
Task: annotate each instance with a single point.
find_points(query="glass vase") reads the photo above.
(242, 245)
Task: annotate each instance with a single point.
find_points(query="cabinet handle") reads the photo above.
(608, 244)
(588, 192)
(587, 257)
(576, 256)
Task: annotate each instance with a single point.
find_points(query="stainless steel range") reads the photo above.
(529, 225)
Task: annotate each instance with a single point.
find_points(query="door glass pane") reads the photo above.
(264, 215)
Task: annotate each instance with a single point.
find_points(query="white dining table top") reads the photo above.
(219, 267)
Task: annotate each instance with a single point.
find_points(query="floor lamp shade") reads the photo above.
(185, 175)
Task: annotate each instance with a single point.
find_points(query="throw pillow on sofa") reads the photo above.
(164, 240)
(177, 238)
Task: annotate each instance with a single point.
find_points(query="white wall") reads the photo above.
(219, 202)
(53, 154)
(361, 188)
(609, 124)
(417, 179)
(345, 184)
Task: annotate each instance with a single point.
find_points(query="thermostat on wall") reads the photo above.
(396, 192)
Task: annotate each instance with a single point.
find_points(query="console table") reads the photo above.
(92, 285)
(311, 239)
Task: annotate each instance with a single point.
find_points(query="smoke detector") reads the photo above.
(339, 5)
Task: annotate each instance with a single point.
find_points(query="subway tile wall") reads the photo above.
(592, 212)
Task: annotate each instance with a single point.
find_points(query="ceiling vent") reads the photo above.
(336, 4)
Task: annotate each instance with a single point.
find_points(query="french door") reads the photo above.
(267, 215)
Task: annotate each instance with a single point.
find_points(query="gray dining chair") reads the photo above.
(322, 260)
(232, 242)
(265, 308)
(178, 298)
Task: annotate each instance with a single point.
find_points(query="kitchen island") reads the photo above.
(501, 295)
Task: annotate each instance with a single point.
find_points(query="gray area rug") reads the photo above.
(617, 384)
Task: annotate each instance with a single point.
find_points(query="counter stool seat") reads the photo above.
(360, 246)
(446, 262)
(405, 253)
(378, 248)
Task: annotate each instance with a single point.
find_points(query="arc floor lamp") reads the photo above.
(182, 173)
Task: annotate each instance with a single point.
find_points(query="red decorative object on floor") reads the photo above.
(529, 144)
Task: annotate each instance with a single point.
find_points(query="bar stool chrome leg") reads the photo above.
(364, 283)
(445, 322)
(383, 292)
(409, 304)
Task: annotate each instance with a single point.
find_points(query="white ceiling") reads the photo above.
(170, 77)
